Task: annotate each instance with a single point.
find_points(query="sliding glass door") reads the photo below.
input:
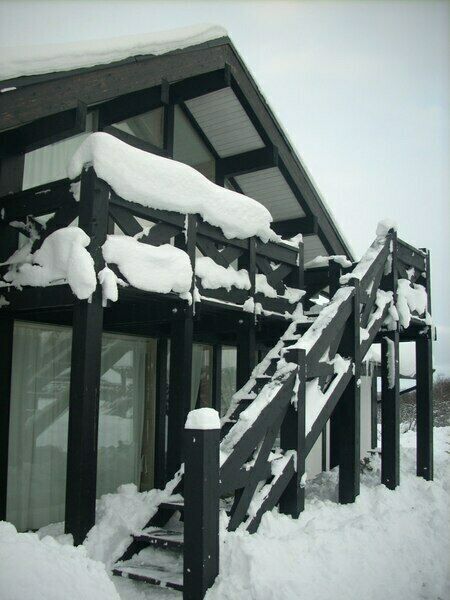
(39, 420)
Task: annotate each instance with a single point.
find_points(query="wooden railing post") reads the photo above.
(84, 396)
(292, 437)
(349, 408)
(201, 506)
(390, 388)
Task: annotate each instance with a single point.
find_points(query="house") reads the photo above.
(163, 272)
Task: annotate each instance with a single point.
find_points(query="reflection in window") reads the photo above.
(201, 385)
(189, 148)
(49, 163)
(39, 420)
(148, 127)
(228, 381)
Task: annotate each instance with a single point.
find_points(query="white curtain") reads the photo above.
(38, 425)
(39, 420)
(121, 416)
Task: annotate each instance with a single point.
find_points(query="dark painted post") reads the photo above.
(6, 349)
(180, 371)
(424, 392)
(201, 508)
(292, 437)
(424, 406)
(161, 413)
(373, 410)
(246, 335)
(390, 388)
(349, 409)
(85, 370)
(334, 275)
(390, 410)
(217, 377)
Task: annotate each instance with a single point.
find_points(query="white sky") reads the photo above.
(362, 89)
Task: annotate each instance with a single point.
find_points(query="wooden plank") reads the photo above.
(217, 377)
(37, 201)
(373, 412)
(277, 252)
(291, 227)
(201, 511)
(410, 256)
(145, 212)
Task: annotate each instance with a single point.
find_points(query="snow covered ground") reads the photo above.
(387, 546)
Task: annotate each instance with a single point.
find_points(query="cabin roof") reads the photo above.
(198, 66)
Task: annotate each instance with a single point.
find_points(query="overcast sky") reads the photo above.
(362, 89)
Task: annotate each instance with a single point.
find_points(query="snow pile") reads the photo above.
(324, 261)
(215, 276)
(121, 514)
(61, 258)
(166, 184)
(385, 226)
(34, 60)
(263, 286)
(411, 297)
(203, 418)
(34, 569)
(386, 546)
(161, 269)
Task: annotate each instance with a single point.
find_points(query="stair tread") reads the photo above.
(160, 536)
(154, 574)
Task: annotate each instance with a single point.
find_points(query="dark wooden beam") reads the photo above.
(373, 411)
(199, 85)
(135, 142)
(390, 410)
(85, 371)
(349, 409)
(201, 511)
(217, 377)
(6, 349)
(11, 174)
(424, 408)
(291, 227)
(43, 131)
(247, 162)
(161, 397)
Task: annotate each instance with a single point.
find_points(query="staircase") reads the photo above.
(309, 377)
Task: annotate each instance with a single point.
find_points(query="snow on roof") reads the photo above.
(40, 59)
(167, 184)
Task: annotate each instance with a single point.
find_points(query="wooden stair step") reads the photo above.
(175, 505)
(154, 574)
(162, 538)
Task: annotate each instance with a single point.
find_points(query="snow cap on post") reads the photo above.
(385, 226)
(203, 418)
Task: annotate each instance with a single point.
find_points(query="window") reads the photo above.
(49, 163)
(40, 415)
(189, 148)
(228, 381)
(148, 127)
(201, 385)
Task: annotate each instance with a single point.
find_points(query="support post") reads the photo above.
(180, 370)
(161, 412)
(373, 411)
(292, 437)
(201, 511)
(424, 406)
(349, 409)
(334, 275)
(85, 370)
(6, 349)
(217, 377)
(390, 386)
(390, 410)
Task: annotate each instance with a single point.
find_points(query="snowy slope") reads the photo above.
(33, 60)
